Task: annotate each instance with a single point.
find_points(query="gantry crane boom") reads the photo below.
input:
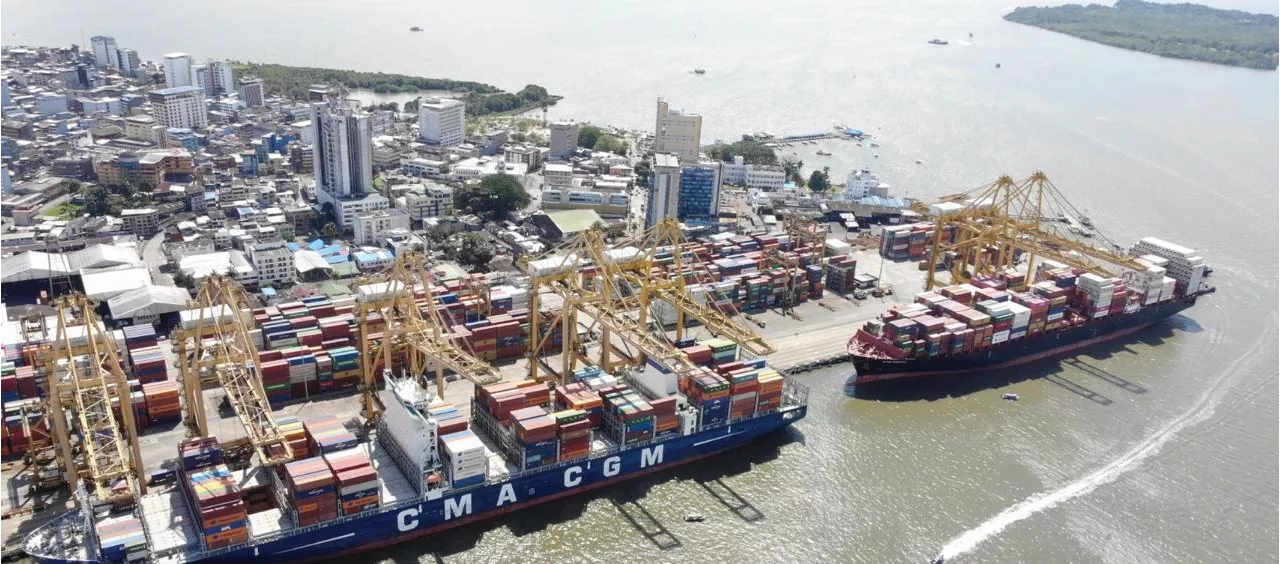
(223, 345)
(616, 290)
(673, 289)
(423, 336)
(988, 228)
(94, 379)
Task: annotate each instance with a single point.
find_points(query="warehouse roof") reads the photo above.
(34, 265)
(106, 283)
(148, 299)
(308, 260)
(574, 221)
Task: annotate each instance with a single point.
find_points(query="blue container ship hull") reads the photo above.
(1013, 353)
(410, 520)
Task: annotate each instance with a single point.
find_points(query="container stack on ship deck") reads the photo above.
(950, 330)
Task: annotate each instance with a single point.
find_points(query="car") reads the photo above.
(860, 294)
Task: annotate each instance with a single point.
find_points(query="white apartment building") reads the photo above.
(179, 70)
(861, 183)
(677, 133)
(273, 260)
(559, 175)
(346, 209)
(664, 192)
(467, 170)
(424, 168)
(564, 140)
(765, 177)
(105, 51)
(442, 121)
(181, 107)
(371, 227)
(432, 200)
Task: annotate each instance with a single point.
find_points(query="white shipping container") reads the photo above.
(1018, 334)
(1021, 314)
(999, 337)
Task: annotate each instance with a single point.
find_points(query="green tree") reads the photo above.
(643, 170)
(97, 200)
(183, 280)
(791, 167)
(752, 152)
(330, 231)
(819, 181)
(610, 144)
(493, 197)
(588, 135)
(474, 250)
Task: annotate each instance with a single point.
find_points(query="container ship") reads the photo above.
(430, 465)
(1007, 320)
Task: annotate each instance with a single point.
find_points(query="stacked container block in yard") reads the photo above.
(465, 459)
(535, 436)
(163, 403)
(122, 539)
(218, 506)
(276, 380)
(357, 482)
(840, 274)
(312, 490)
(325, 434)
(346, 367)
(148, 364)
(16, 440)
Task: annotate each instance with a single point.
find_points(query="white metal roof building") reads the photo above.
(307, 260)
(107, 283)
(35, 265)
(225, 262)
(148, 302)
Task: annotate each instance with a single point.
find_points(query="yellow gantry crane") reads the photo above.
(219, 347)
(991, 227)
(86, 377)
(616, 287)
(390, 307)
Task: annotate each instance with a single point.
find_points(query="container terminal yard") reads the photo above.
(321, 427)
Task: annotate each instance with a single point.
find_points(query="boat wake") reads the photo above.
(1199, 412)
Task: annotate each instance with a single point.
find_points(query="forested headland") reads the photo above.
(1180, 31)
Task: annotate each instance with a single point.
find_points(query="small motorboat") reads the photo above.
(997, 65)
(936, 41)
(415, 28)
(699, 70)
(822, 153)
(1010, 397)
(939, 560)
(694, 518)
(918, 161)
